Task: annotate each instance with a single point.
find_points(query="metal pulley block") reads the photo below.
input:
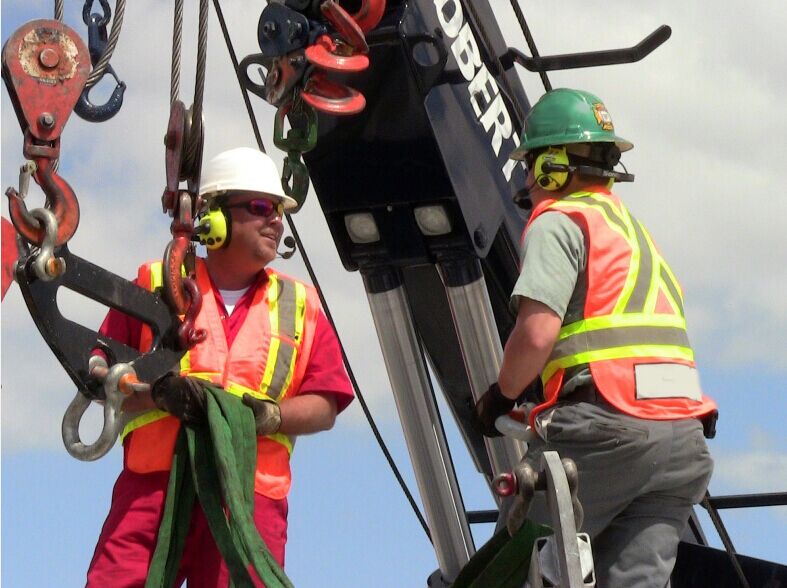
(45, 67)
(282, 30)
(183, 156)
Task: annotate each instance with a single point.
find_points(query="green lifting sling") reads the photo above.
(215, 463)
(504, 561)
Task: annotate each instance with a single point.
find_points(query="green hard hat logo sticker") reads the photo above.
(603, 118)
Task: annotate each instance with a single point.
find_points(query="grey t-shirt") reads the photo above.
(554, 259)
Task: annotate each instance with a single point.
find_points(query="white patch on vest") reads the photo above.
(667, 380)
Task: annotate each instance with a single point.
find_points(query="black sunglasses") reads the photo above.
(261, 207)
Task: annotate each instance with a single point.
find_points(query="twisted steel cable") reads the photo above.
(194, 138)
(177, 40)
(531, 43)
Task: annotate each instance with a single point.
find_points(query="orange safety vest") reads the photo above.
(633, 331)
(267, 359)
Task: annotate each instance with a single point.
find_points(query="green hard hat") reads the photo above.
(565, 116)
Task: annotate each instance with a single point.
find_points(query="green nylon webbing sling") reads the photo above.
(216, 463)
(504, 561)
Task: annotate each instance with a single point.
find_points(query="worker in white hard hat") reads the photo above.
(268, 342)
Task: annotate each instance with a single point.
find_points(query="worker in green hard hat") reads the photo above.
(601, 321)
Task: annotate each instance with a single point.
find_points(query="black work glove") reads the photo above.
(182, 397)
(267, 414)
(490, 406)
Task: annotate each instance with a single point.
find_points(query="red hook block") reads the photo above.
(46, 66)
(345, 25)
(327, 96)
(325, 53)
(370, 14)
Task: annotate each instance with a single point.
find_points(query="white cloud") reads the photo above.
(761, 467)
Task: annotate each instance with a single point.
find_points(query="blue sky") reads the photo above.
(704, 112)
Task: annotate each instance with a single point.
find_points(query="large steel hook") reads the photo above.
(60, 199)
(181, 293)
(332, 97)
(97, 43)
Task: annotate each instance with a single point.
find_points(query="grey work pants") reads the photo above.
(638, 481)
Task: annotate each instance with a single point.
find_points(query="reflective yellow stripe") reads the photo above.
(142, 420)
(634, 266)
(156, 275)
(239, 390)
(284, 440)
(622, 219)
(627, 352)
(273, 348)
(300, 311)
(639, 319)
(675, 281)
(675, 284)
(668, 287)
(655, 274)
(299, 320)
(613, 226)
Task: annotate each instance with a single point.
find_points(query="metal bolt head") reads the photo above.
(47, 120)
(270, 29)
(479, 238)
(49, 58)
(55, 267)
(295, 30)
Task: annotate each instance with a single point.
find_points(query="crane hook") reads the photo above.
(97, 43)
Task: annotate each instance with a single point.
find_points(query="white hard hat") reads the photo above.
(243, 170)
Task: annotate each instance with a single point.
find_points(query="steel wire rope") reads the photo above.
(199, 83)
(531, 43)
(315, 281)
(195, 131)
(177, 40)
(507, 90)
(114, 35)
(59, 5)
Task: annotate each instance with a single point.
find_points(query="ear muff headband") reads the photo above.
(214, 228)
(551, 169)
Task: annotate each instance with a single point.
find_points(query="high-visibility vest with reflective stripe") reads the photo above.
(633, 331)
(267, 359)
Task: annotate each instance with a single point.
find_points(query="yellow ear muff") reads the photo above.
(551, 180)
(214, 228)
